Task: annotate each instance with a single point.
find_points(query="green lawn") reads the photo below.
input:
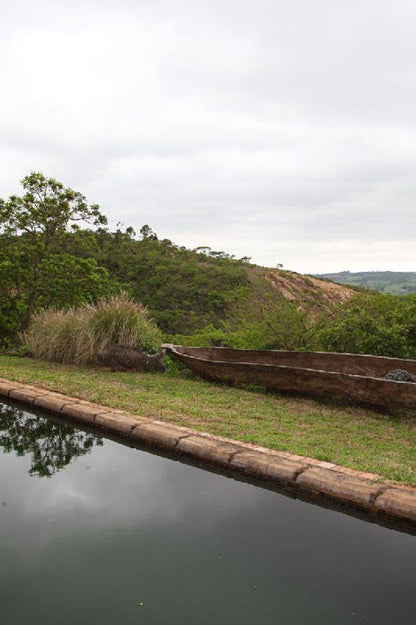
(346, 435)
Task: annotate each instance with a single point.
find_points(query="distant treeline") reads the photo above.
(395, 282)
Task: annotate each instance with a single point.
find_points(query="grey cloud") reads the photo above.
(250, 128)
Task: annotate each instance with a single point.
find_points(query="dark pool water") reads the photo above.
(93, 532)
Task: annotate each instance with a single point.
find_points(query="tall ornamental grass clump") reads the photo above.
(80, 335)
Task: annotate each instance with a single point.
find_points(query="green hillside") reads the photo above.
(196, 296)
(186, 291)
(49, 261)
(395, 282)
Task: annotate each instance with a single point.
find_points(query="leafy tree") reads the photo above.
(46, 209)
(147, 233)
(32, 227)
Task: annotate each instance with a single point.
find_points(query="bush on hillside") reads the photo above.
(383, 325)
(79, 335)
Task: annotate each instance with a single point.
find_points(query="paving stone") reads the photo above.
(82, 412)
(398, 502)
(6, 387)
(116, 423)
(57, 395)
(166, 436)
(325, 465)
(24, 394)
(180, 428)
(89, 404)
(262, 465)
(118, 413)
(140, 419)
(342, 486)
(205, 448)
(50, 402)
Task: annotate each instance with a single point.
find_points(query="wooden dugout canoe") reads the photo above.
(355, 376)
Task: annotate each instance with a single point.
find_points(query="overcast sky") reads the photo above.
(281, 130)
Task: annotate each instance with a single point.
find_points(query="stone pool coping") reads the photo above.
(325, 480)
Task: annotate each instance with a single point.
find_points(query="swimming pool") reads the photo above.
(95, 532)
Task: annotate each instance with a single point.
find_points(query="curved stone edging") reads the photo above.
(357, 489)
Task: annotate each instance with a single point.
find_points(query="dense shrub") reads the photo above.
(383, 325)
(79, 335)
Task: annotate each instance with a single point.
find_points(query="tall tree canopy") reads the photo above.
(46, 209)
(32, 228)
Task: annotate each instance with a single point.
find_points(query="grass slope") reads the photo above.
(345, 435)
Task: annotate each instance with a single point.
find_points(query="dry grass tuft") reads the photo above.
(79, 335)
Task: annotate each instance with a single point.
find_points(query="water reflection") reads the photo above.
(128, 537)
(52, 445)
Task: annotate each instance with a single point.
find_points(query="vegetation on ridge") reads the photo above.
(199, 296)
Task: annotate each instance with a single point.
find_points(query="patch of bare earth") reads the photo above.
(295, 286)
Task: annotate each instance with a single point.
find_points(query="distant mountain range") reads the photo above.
(395, 282)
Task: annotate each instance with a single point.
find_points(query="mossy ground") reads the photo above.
(346, 435)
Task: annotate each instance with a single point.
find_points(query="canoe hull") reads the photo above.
(245, 367)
